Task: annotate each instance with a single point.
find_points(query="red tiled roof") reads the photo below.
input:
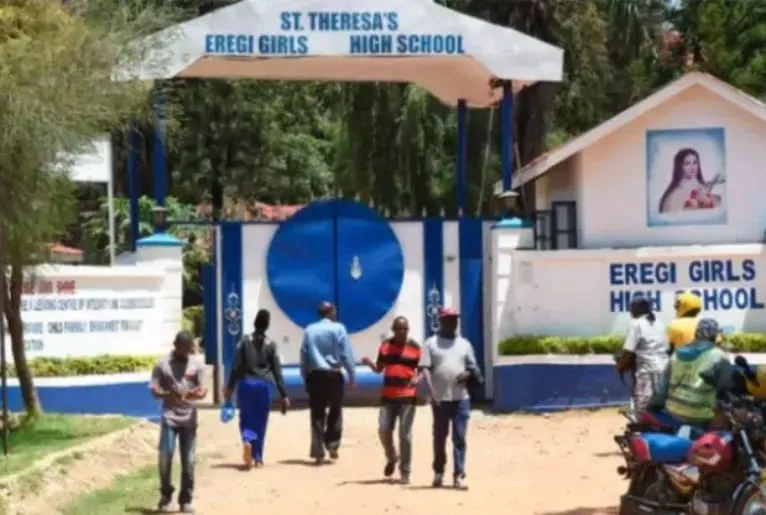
(58, 248)
(240, 210)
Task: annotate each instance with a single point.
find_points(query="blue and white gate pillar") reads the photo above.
(230, 323)
(469, 249)
(508, 235)
(433, 272)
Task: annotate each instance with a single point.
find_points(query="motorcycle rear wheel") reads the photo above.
(646, 484)
(750, 502)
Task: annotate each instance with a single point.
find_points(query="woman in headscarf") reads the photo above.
(644, 353)
(256, 366)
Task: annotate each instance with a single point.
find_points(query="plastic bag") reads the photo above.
(227, 412)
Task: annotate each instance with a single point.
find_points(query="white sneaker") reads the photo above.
(459, 483)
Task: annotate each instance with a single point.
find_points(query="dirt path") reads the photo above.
(562, 464)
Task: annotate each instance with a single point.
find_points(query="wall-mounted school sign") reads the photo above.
(588, 292)
(722, 284)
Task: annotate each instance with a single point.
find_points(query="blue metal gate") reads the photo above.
(338, 251)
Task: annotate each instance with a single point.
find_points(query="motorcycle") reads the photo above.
(709, 473)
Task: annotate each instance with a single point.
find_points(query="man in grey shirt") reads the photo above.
(450, 365)
(178, 381)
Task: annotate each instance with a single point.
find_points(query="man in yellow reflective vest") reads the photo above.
(696, 373)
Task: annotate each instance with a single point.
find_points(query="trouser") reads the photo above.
(187, 440)
(389, 413)
(456, 414)
(644, 386)
(325, 389)
(254, 400)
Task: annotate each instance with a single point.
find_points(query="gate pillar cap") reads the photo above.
(511, 223)
(160, 239)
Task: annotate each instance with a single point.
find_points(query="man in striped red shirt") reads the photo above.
(398, 360)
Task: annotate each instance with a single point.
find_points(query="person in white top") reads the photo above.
(449, 367)
(645, 352)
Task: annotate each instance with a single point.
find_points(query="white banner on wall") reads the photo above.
(87, 316)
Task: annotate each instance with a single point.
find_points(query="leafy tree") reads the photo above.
(56, 66)
(417, 177)
(269, 141)
(732, 38)
(195, 237)
(582, 101)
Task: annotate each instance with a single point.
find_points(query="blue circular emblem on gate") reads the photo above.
(339, 251)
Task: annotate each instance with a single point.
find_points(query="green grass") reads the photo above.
(136, 492)
(53, 433)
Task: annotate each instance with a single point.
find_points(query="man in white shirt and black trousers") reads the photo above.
(450, 366)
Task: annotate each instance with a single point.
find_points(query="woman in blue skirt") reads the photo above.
(256, 367)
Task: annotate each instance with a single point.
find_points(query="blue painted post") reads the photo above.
(433, 280)
(132, 169)
(462, 157)
(159, 154)
(231, 308)
(506, 135)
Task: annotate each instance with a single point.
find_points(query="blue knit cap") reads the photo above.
(707, 329)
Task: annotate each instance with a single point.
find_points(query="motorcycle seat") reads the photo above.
(663, 422)
(660, 447)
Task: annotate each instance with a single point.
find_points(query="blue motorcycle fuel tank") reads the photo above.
(660, 447)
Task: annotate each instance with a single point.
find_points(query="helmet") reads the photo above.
(707, 330)
(686, 302)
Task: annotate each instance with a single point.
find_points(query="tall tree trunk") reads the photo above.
(12, 307)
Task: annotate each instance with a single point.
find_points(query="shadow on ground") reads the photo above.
(608, 454)
(438, 489)
(301, 462)
(584, 511)
(370, 482)
(230, 466)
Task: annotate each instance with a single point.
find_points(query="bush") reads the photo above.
(607, 344)
(96, 365)
(193, 320)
